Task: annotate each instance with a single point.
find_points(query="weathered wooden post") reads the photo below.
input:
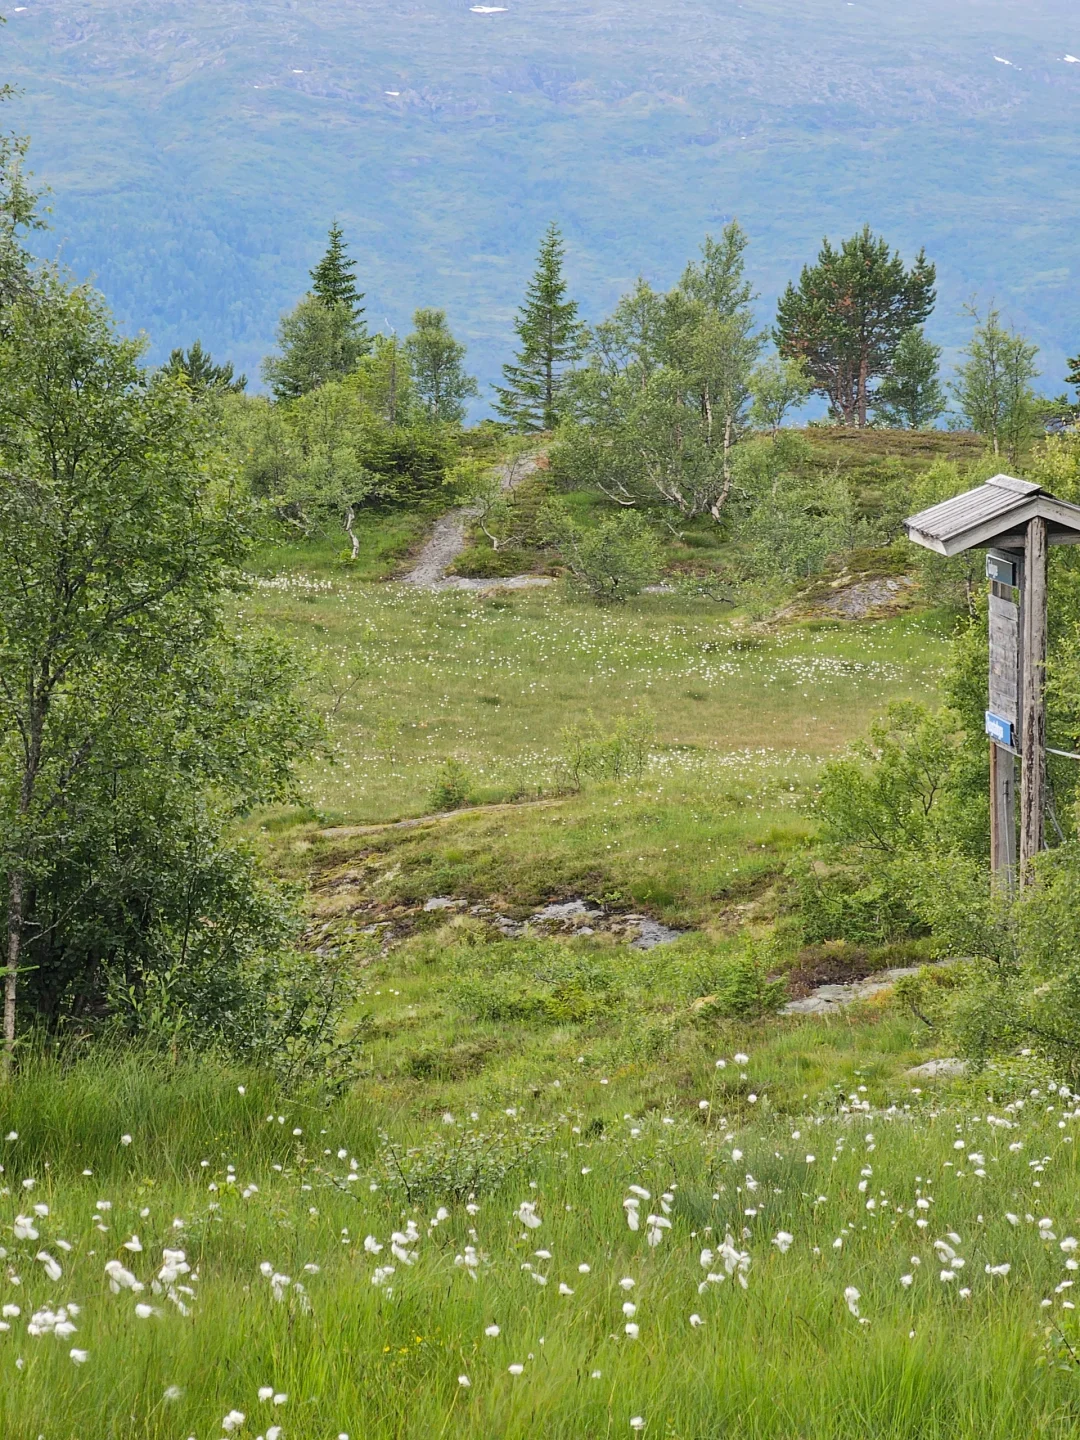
(1004, 573)
(1016, 522)
(1033, 687)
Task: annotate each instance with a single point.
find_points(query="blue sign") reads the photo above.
(999, 729)
(1000, 568)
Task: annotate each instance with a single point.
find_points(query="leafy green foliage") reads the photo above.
(199, 372)
(383, 380)
(453, 786)
(333, 280)
(889, 794)
(911, 395)
(789, 521)
(534, 980)
(315, 459)
(847, 316)
(467, 1163)
(610, 561)
(904, 795)
(437, 363)
(664, 401)
(778, 387)
(135, 723)
(621, 752)
(741, 988)
(993, 387)
(317, 342)
(19, 213)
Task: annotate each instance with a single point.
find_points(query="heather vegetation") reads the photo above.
(422, 847)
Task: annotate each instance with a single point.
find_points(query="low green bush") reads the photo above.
(591, 752)
(741, 989)
(542, 981)
(453, 786)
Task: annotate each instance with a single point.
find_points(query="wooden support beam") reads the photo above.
(1033, 702)
(1003, 817)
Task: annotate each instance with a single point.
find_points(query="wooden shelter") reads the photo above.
(1015, 521)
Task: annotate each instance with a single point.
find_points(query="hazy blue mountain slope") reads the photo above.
(198, 151)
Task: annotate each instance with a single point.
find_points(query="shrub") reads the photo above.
(481, 562)
(453, 786)
(741, 988)
(460, 1164)
(851, 903)
(610, 561)
(592, 753)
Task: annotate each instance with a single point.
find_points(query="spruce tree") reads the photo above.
(552, 339)
(334, 278)
(202, 375)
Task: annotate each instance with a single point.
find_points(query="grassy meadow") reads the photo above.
(567, 1194)
(746, 1258)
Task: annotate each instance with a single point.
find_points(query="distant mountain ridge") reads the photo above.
(198, 151)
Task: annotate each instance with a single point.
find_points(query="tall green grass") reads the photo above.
(784, 1357)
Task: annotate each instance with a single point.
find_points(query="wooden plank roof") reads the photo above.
(994, 514)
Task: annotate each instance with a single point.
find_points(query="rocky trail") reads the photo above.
(448, 541)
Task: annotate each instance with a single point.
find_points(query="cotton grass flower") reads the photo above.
(526, 1213)
(79, 1357)
(52, 1267)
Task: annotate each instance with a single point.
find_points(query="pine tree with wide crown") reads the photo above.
(552, 339)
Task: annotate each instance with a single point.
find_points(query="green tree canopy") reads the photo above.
(993, 387)
(663, 404)
(910, 397)
(317, 342)
(133, 721)
(18, 213)
(436, 360)
(552, 341)
(848, 314)
(778, 386)
(198, 370)
(385, 383)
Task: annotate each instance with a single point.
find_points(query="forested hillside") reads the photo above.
(198, 152)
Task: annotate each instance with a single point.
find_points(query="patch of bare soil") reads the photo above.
(822, 965)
